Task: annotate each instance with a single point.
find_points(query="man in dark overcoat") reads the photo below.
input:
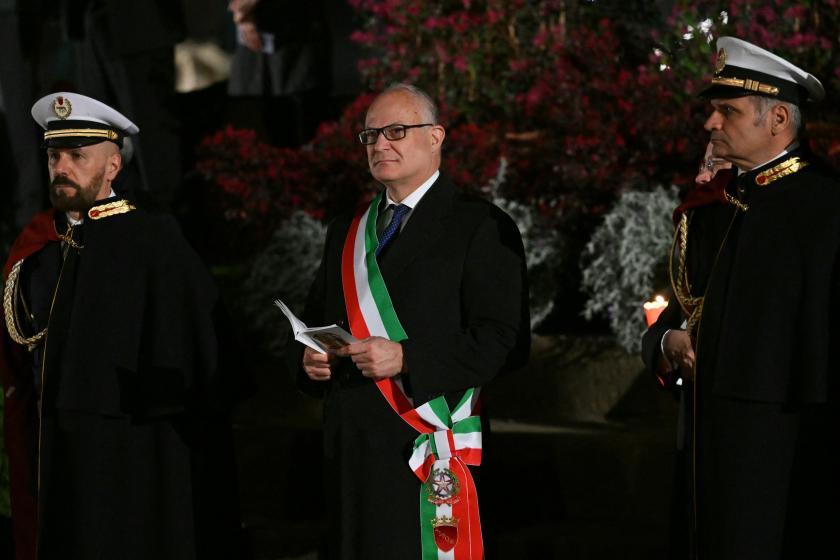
(756, 282)
(453, 270)
(116, 407)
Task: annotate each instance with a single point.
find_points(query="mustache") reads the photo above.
(64, 182)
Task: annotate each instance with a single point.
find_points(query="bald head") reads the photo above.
(426, 105)
(407, 161)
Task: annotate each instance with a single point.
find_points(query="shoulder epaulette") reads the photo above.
(110, 209)
(787, 167)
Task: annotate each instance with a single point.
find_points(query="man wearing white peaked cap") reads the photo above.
(760, 288)
(109, 361)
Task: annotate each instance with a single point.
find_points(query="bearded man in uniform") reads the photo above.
(116, 418)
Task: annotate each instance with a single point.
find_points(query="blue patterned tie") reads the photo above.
(393, 227)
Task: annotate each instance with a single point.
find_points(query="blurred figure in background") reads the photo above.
(20, 162)
(125, 56)
(280, 71)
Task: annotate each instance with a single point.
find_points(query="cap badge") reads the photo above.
(62, 107)
(721, 61)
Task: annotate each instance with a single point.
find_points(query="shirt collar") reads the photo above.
(414, 198)
(784, 152)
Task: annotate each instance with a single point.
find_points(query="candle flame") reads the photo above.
(657, 303)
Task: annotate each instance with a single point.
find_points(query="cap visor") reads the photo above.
(717, 91)
(71, 142)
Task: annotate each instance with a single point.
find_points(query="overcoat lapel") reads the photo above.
(427, 225)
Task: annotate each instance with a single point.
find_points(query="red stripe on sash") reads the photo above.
(351, 298)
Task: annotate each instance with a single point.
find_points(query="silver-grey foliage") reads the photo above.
(542, 247)
(622, 257)
(285, 269)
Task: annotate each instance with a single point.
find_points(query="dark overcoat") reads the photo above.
(456, 276)
(764, 404)
(134, 453)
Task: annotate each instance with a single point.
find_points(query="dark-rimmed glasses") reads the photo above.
(391, 132)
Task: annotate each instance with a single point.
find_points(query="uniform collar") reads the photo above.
(74, 222)
(792, 147)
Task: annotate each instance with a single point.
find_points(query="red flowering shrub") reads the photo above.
(582, 104)
(580, 116)
(251, 186)
(471, 154)
(804, 32)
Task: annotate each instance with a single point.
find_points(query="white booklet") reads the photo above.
(321, 339)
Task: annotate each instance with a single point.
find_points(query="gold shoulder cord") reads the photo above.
(735, 202)
(67, 238)
(693, 306)
(11, 293)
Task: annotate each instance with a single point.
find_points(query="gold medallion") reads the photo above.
(62, 107)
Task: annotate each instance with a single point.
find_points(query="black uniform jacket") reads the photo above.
(134, 457)
(771, 308)
(456, 276)
(764, 403)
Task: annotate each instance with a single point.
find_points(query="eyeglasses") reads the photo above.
(712, 164)
(391, 132)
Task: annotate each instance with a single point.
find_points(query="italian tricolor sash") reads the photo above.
(449, 440)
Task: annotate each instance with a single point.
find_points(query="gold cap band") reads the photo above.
(747, 84)
(81, 133)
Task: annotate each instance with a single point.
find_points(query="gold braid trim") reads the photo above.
(81, 133)
(693, 306)
(787, 167)
(11, 293)
(751, 85)
(735, 202)
(67, 237)
(110, 209)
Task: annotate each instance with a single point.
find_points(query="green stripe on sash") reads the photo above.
(375, 280)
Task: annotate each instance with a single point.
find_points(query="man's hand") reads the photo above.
(318, 367)
(679, 352)
(376, 357)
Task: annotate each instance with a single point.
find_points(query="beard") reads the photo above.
(79, 198)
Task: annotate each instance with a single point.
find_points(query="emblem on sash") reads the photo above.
(443, 487)
(446, 532)
(62, 107)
